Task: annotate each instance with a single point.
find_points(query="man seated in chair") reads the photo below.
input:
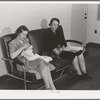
(55, 42)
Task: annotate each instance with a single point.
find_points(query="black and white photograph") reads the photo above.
(49, 46)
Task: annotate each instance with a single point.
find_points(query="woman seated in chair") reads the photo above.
(55, 42)
(40, 67)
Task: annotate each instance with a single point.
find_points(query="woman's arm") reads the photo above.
(17, 52)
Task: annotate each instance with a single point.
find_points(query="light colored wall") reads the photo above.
(2, 64)
(12, 15)
(77, 22)
(92, 24)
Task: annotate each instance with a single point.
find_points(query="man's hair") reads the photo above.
(20, 29)
(54, 19)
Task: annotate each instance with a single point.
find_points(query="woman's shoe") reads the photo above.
(81, 77)
(47, 89)
(87, 76)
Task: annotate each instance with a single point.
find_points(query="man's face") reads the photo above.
(54, 25)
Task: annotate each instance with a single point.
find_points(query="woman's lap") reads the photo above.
(39, 65)
(67, 55)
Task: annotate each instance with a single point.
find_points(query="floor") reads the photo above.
(68, 82)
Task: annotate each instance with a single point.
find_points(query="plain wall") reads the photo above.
(12, 15)
(77, 22)
(93, 24)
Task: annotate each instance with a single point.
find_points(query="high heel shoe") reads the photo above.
(81, 77)
(87, 76)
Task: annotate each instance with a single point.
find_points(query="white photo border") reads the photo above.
(55, 94)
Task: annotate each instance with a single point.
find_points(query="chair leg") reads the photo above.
(24, 78)
(62, 73)
(6, 78)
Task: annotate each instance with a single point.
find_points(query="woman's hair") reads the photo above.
(20, 29)
(54, 19)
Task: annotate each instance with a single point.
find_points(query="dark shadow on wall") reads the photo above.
(5, 31)
(44, 23)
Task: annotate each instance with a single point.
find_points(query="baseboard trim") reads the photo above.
(96, 45)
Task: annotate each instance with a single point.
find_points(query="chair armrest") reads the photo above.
(14, 60)
(75, 41)
(7, 59)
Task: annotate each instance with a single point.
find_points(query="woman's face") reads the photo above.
(54, 25)
(23, 35)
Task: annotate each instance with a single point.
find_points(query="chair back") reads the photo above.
(5, 49)
(36, 38)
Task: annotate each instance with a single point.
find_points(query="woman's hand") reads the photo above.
(63, 47)
(17, 52)
(25, 46)
(56, 51)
